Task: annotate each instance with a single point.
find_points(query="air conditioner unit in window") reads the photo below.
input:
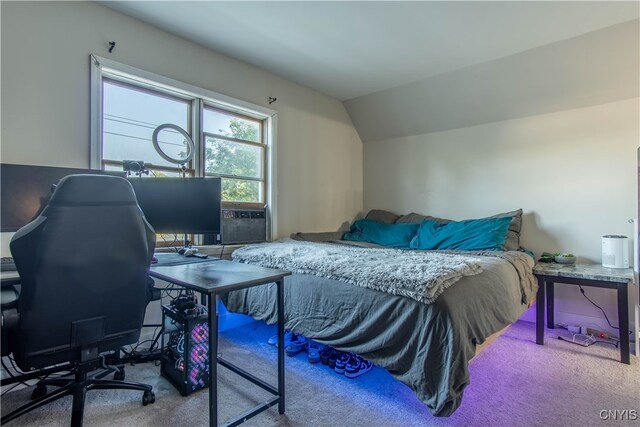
(243, 226)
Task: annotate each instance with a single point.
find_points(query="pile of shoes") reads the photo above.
(349, 364)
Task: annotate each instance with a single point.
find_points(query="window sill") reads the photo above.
(242, 205)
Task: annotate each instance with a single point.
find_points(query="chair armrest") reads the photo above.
(9, 305)
(10, 318)
(153, 293)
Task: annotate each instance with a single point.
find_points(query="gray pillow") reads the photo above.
(318, 237)
(382, 216)
(513, 234)
(414, 218)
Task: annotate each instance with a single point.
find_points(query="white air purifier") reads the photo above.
(615, 251)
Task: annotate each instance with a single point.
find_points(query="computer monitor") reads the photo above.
(180, 205)
(26, 189)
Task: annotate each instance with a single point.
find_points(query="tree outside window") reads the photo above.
(237, 154)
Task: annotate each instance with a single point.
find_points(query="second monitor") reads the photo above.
(180, 205)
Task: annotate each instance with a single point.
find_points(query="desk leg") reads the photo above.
(203, 299)
(280, 284)
(637, 331)
(213, 359)
(540, 312)
(550, 321)
(623, 323)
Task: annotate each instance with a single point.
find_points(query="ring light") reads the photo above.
(187, 138)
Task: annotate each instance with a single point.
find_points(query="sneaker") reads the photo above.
(333, 357)
(326, 354)
(343, 361)
(315, 350)
(357, 367)
(297, 344)
(274, 339)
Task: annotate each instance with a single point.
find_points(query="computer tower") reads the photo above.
(185, 360)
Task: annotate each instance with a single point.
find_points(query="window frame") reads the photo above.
(102, 68)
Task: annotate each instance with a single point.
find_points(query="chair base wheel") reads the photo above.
(148, 397)
(39, 391)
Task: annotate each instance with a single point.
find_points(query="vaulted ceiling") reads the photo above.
(390, 60)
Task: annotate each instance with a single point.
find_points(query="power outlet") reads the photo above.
(601, 334)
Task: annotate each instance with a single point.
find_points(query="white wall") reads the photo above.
(573, 172)
(45, 103)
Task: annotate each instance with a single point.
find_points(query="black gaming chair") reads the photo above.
(84, 269)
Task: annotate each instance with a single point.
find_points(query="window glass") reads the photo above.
(227, 124)
(232, 158)
(239, 190)
(130, 116)
(234, 149)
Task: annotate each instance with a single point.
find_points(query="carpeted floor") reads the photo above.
(514, 382)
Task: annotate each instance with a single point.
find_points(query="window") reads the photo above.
(234, 150)
(130, 115)
(233, 139)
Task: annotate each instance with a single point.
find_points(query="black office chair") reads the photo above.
(84, 269)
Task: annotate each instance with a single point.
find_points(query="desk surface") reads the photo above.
(585, 271)
(217, 276)
(174, 258)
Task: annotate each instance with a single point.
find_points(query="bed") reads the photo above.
(427, 346)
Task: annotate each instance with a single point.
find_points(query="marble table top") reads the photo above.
(584, 271)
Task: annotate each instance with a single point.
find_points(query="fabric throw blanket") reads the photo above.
(422, 276)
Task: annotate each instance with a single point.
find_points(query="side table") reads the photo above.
(593, 275)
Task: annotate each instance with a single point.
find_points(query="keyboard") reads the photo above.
(7, 264)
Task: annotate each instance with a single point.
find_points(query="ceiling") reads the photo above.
(350, 49)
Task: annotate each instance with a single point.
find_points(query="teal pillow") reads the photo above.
(469, 235)
(391, 235)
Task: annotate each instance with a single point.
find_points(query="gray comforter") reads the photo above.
(426, 346)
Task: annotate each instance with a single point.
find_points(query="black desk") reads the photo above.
(213, 278)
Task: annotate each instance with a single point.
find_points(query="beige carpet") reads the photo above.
(514, 383)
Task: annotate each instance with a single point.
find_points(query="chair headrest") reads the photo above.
(90, 189)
